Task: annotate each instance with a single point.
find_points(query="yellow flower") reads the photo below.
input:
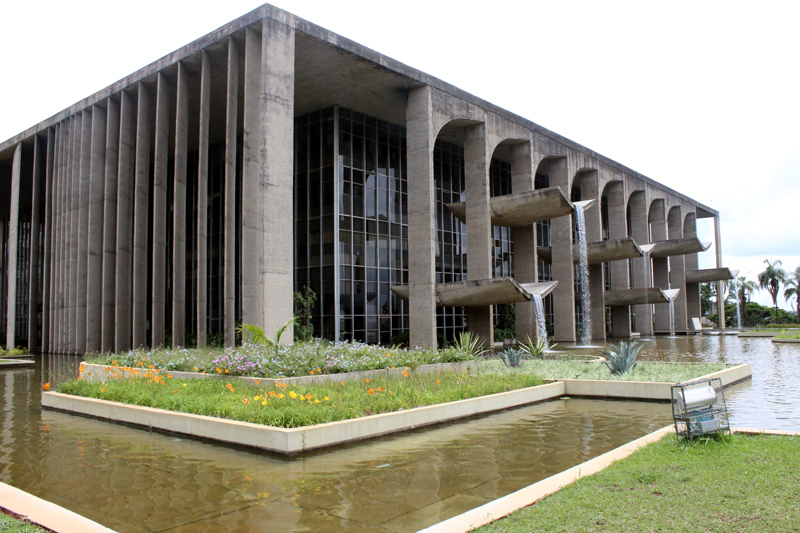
(292, 394)
(326, 399)
(264, 402)
(281, 395)
(184, 384)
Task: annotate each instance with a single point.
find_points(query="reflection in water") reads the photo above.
(133, 480)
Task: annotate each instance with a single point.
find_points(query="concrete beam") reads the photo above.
(523, 208)
(601, 251)
(232, 114)
(109, 261)
(420, 138)
(709, 275)
(159, 244)
(13, 238)
(678, 246)
(47, 266)
(649, 296)
(85, 179)
(482, 292)
(94, 282)
(34, 296)
(480, 242)
(179, 210)
(276, 171)
(126, 190)
(202, 201)
(141, 214)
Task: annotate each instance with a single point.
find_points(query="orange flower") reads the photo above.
(405, 373)
(258, 381)
(169, 376)
(308, 396)
(312, 372)
(341, 383)
(272, 393)
(367, 380)
(371, 392)
(380, 389)
(438, 381)
(46, 386)
(246, 401)
(230, 387)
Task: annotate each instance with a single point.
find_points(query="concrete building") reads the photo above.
(271, 154)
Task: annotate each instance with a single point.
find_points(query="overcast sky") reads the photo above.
(701, 96)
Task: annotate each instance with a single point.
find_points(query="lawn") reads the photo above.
(9, 524)
(738, 483)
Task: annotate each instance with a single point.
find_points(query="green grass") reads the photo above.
(739, 483)
(293, 405)
(12, 353)
(297, 359)
(9, 524)
(644, 371)
(788, 336)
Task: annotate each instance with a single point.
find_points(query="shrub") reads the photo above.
(623, 358)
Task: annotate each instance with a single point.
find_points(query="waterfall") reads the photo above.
(586, 303)
(738, 306)
(541, 327)
(672, 317)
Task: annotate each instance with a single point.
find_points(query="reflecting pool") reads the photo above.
(136, 480)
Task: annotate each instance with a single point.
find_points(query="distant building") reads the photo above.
(271, 154)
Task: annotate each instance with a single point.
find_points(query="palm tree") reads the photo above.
(792, 290)
(746, 290)
(771, 280)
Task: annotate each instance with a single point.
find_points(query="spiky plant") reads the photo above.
(469, 343)
(623, 358)
(512, 357)
(536, 348)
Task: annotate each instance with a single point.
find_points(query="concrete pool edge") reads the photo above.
(502, 507)
(645, 390)
(46, 514)
(297, 440)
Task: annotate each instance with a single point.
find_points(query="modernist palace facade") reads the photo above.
(203, 190)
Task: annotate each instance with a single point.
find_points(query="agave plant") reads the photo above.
(536, 348)
(512, 357)
(622, 358)
(469, 343)
(256, 335)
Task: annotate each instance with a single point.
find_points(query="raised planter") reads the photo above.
(786, 341)
(99, 372)
(645, 390)
(295, 440)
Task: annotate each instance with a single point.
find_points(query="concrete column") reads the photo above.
(480, 320)
(157, 314)
(642, 272)
(56, 284)
(179, 211)
(251, 168)
(140, 218)
(94, 286)
(590, 190)
(81, 323)
(62, 255)
(73, 234)
(420, 139)
(525, 263)
(13, 238)
(677, 270)
(202, 202)
(232, 113)
(563, 266)
(33, 265)
(123, 283)
(3, 295)
(277, 175)
(693, 308)
(618, 229)
(49, 191)
(720, 284)
(109, 259)
(658, 232)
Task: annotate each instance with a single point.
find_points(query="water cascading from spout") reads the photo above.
(583, 263)
(541, 326)
(738, 306)
(671, 294)
(646, 248)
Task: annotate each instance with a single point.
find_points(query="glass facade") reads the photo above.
(351, 223)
